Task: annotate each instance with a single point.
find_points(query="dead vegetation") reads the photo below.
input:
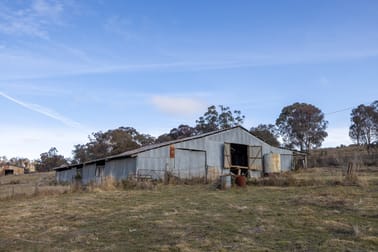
(297, 213)
(341, 156)
(30, 185)
(318, 177)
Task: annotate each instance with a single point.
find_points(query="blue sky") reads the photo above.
(70, 68)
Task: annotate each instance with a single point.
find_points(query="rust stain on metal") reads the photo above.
(272, 163)
(212, 173)
(172, 151)
(241, 181)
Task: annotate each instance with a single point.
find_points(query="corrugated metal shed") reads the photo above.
(201, 156)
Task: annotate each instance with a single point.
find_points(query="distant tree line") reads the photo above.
(364, 124)
(111, 142)
(49, 160)
(299, 126)
(16, 161)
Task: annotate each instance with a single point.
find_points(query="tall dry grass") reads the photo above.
(30, 185)
(313, 177)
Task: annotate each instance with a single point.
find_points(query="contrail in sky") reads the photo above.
(44, 111)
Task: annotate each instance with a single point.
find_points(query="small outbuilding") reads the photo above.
(6, 170)
(207, 156)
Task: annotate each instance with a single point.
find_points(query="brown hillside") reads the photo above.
(340, 156)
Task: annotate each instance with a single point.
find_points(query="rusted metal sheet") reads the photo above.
(172, 151)
(212, 173)
(272, 163)
(240, 181)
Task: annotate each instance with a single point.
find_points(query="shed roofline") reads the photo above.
(155, 146)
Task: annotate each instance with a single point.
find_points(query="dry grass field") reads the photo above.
(309, 210)
(20, 186)
(340, 156)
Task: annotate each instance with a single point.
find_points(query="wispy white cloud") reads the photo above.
(32, 89)
(32, 20)
(44, 111)
(120, 26)
(73, 52)
(24, 65)
(178, 105)
(45, 8)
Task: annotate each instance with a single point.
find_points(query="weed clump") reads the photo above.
(133, 184)
(15, 182)
(283, 180)
(352, 177)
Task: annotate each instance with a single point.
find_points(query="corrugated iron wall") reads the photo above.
(120, 169)
(199, 157)
(157, 160)
(65, 176)
(154, 162)
(215, 145)
(190, 164)
(89, 173)
(286, 162)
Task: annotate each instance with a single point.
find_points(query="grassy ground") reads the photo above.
(340, 156)
(323, 217)
(21, 186)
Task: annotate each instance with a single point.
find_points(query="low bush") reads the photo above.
(355, 180)
(133, 184)
(274, 180)
(288, 180)
(15, 182)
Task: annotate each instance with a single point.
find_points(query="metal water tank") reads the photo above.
(272, 163)
(225, 181)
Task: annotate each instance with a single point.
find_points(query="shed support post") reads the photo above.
(305, 164)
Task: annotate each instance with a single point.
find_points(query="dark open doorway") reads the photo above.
(9, 172)
(241, 158)
(239, 155)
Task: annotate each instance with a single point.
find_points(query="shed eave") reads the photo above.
(134, 153)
